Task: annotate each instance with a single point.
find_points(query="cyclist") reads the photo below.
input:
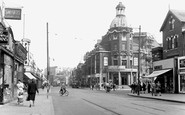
(63, 88)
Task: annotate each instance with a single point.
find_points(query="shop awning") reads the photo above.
(29, 75)
(157, 73)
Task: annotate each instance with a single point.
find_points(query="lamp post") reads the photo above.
(138, 93)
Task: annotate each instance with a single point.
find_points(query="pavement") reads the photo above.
(171, 97)
(43, 106)
(179, 98)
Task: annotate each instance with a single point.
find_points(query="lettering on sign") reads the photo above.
(12, 13)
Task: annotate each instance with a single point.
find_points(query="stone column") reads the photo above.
(119, 75)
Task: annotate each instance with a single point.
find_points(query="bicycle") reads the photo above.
(66, 93)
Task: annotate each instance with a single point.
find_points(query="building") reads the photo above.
(170, 70)
(115, 57)
(12, 56)
(31, 70)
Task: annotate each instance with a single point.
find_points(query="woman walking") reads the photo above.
(32, 89)
(20, 92)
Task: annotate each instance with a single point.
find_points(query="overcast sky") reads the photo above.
(76, 25)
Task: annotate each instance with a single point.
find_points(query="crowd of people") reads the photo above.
(106, 86)
(147, 87)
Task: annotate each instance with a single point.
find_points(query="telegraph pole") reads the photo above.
(139, 60)
(47, 61)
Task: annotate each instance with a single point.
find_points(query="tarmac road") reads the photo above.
(92, 102)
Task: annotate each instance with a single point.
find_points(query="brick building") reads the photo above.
(170, 70)
(115, 56)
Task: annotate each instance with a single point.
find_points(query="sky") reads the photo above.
(76, 25)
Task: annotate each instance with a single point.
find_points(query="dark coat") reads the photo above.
(32, 88)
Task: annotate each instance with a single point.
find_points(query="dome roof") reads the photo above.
(119, 21)
(120, 6)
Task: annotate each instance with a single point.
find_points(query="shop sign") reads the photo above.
(12, 13)
(116, 68)
(3, 35)
(141, 34)
(20, 52)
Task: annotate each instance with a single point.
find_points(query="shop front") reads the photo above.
(6, 83)
(164, 72)
(165, 78)
(181, 74)
(121, 76)
(11, 68)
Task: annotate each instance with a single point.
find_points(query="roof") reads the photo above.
(120, 5)
(179, 14)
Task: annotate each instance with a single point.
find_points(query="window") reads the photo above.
(124, 62)
(123, 38)
(115, 37)
(172, 40)
(175, 41)
(115, 47)
(171, 23)
(167, 43)
(115, 62)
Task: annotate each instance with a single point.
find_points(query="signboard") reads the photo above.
(12, 13)
(182, 63)
(142, 34)
(3, 35)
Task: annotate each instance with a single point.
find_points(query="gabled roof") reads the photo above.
(179, 14)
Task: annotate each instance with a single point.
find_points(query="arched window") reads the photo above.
(175, 41)
(171, 23)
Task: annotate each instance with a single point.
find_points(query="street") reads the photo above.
(94, 102)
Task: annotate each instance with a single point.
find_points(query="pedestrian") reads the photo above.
(20, 92)
(32, 89)
(158, 88)
(148, 87)
(153, 88)
(114, 87)
(144, 87)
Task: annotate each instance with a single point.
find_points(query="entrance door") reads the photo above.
(124, 78)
